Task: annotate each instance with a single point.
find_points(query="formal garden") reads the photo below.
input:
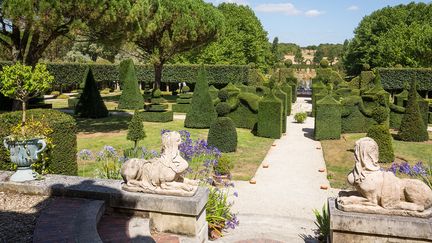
(157, 121)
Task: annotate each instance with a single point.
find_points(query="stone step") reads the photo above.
(69, 220)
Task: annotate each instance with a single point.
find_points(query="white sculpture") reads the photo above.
(161, 175)
(380, 191)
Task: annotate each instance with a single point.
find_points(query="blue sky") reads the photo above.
(311, 22)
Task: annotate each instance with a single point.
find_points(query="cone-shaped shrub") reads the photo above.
(90, 104)
(136, 129)
(131, 97)
(223, 133)
(412, 125)
(283, 97)
(202, 112)
(381, 134)
(328, 119)
(270, 117)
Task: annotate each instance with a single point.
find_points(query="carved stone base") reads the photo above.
(349, 227)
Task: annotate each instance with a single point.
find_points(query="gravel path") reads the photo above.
(279, 206)
(18, 214)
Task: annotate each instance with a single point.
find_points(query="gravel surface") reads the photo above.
(18, 214)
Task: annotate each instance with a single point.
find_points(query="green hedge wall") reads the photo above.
(73, 74)
(153, 116)
(286, 88)
(181, 108)
(62, 156)
(270, 117)
(328, 119)
(395, 78)
(355, 117)
(283, 97)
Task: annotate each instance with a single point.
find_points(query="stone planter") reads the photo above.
(24, 154)
(221, 180)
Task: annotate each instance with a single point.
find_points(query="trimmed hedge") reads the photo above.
(286, 88)
(202, 112)
(270, 112)
(90, 104)
(181, 108)
(283, 97)
(135, 129)
(131, 97)
(355, 117)
(73, 74)
(395, 78)
(328, 119)
(412, 127)
(223, 135)
(381, 134)
(151, 116)
(62, 156)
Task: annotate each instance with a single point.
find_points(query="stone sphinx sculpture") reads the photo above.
(381, 192)
(162, 175)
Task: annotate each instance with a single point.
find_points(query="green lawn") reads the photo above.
(339, 156)
(94, 134)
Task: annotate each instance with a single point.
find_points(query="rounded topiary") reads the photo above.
(380, 133)
(90, 104)
(131, 97)
(157, 93)
(223, 95)
(252, 65)
(412, 126)
(223, 135)
(136, 130)
(202, 112)
(324, 63)
(366, 67)
(185, 89)
(223, 166)
(380, 114)
(223, 109)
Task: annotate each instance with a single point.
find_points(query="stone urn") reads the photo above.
(24, 154)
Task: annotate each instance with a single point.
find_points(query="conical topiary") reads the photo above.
(412, 126)
(270, 117)
(90, 104)
(381, 134)
(136, 130)
(202, 112)
(131, 97)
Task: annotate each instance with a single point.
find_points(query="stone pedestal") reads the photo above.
(349, 227)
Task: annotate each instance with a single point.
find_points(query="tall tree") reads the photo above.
(28, 27)
(275, 50)
(166, 28)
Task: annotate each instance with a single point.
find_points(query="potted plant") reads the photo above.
(25, 143)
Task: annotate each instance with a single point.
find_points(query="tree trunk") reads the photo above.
(158, 75)
(23, 121)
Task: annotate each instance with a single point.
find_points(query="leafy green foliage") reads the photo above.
(355, 116)
(59, 158)
(223, 109)
(324, 63)
(323, 223)
(300, 117)
(286, 88)
(283, 97)
(412, 125)
(328, 119)
(223, 135)
(90, 103)
(396, 78)
(202, 112)
(181, 108)
(390, 36)
(136, 130)
(223, 166)
(131, 97)
(270, 112)
(380, 133)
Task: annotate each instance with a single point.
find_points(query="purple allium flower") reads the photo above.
(419, 169)
(233, 222)
(405, 168)
(235, 194)
(394, 168)
(110, 149)
(85, 154)
(163, 131)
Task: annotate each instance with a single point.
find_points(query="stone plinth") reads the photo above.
(179, 215)
(349, 227)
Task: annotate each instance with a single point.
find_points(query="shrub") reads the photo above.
(105, 91)
(90, 104)
(300, 117)
(223, 166)
(412, 125)
(185, 89)
(223, 95)
(283, 97)
(328, 119)
(286, 88)
(395, 78)
(223, 109)
(270, 117)
(180, 108)
(150, 116)
(380, 133)
(61, 157)
(366, 67)
(72, 102)
(131, 97)
(202, 112)
(157, 93)
(324, 63)
(55, 93)
(63, 97)
(223, 135)
(136, 130)
(288, 63)
(323, 223)
(355, 117)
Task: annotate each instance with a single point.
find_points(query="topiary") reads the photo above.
(223, 135)
(324, 63)
(380, 133)
(55, 93)
(223, 109)
(223, 95)
(328, 118)
(412, 126)
(136, 130)
(286, 88)
(270, 117)
(223, 166)
(283, 97)
(157, 93)
(366, 67)
(202, 112)
(131, 97)
(63, 97)
(300, 117)
(90, 104)
(185, 89)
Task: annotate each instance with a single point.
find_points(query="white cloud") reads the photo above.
(286, 8)
(313, 13)
(239, 2)
(353, 8)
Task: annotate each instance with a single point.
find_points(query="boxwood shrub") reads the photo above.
(223, 135)
(131, 97)
(286, 88)
(395, 78)
(61, 158)
(154, 116)
(381, 134)
(270, 117)
(328, 119)
(90, 103)
(283, 97)
(181, 108)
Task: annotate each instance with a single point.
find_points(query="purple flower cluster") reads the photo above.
(85, 154)
(405, 168)
(233, 222)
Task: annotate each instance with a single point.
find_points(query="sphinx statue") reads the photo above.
(162, 175)
(381, 192)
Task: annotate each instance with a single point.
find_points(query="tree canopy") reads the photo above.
(399, 35)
